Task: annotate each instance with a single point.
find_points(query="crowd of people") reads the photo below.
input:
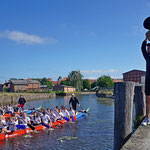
(46, 116)
(36, 117)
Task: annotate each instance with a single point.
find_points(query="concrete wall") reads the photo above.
(5, 99)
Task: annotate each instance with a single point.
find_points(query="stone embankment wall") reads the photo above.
(13, 98)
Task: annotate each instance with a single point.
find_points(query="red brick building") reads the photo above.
(22, 85)
(133, 75)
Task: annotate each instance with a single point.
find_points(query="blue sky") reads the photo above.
(51, 38)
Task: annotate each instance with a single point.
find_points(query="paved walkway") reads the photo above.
(140, 140)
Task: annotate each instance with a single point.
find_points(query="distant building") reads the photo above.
(21, 85)
(92, 80)
(64, 79)
(56, 83)
(117, 80)
(64, 88)
(49, 79)
(134, 75)
(44, 88)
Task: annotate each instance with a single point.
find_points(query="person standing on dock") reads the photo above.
(21, 102)
(146, 53)
(73, 102)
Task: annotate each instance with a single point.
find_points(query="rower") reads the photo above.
(2, 124)
(65, 112)
(52, 115)
(45, 118)
(25, 119)
(11, 125)
(56, 112)
(1, 111)
(35, 119)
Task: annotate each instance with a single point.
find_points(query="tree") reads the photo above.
(76, 78)
(94, 84)
(67, 82)
(44, 81)
(86, 84)
(105, 81)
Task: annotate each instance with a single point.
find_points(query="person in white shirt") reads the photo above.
(25, 119)
(2, 124)
(11, 124)
(35, 119)
(45, 118)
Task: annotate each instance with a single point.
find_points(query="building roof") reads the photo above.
(33, 81)
(24, 82)
(64, 79)
(56, 82)
(117, 80)
(135, 71)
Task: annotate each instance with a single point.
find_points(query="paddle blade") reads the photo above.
(45, 125)
(30, 126)
(39, 107)
(21, 126)
(72, 118)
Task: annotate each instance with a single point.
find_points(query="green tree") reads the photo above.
(44, 81)
(76, 78)
(86, 84)
(67, 82)
(105, 81)
(94, 84)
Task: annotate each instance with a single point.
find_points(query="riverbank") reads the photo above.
(76, 93)
(11, 98)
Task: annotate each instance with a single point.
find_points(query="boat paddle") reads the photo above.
(85, 111)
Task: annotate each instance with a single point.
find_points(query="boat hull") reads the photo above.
(19, 132)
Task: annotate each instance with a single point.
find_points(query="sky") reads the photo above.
(51, 38)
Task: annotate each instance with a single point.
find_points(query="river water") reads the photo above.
(91, 133)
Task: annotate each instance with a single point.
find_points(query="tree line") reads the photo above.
(75, 79)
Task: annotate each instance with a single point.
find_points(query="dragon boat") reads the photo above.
(19, 132)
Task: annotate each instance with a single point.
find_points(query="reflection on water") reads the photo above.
(93, 133)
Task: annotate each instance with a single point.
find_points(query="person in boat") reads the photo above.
(73, 103)
(11, 124)
(6, 109)
(16, 109)
(21, 102)
(35, 119)
(10, 109)
(65, 112)
(24, 120)
(45, 118)
(2, 124)
(1, 111)
(61, 113)
(56, 112)
(52, 115)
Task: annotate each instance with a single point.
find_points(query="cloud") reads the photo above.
(99, 71)
(25, 38)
